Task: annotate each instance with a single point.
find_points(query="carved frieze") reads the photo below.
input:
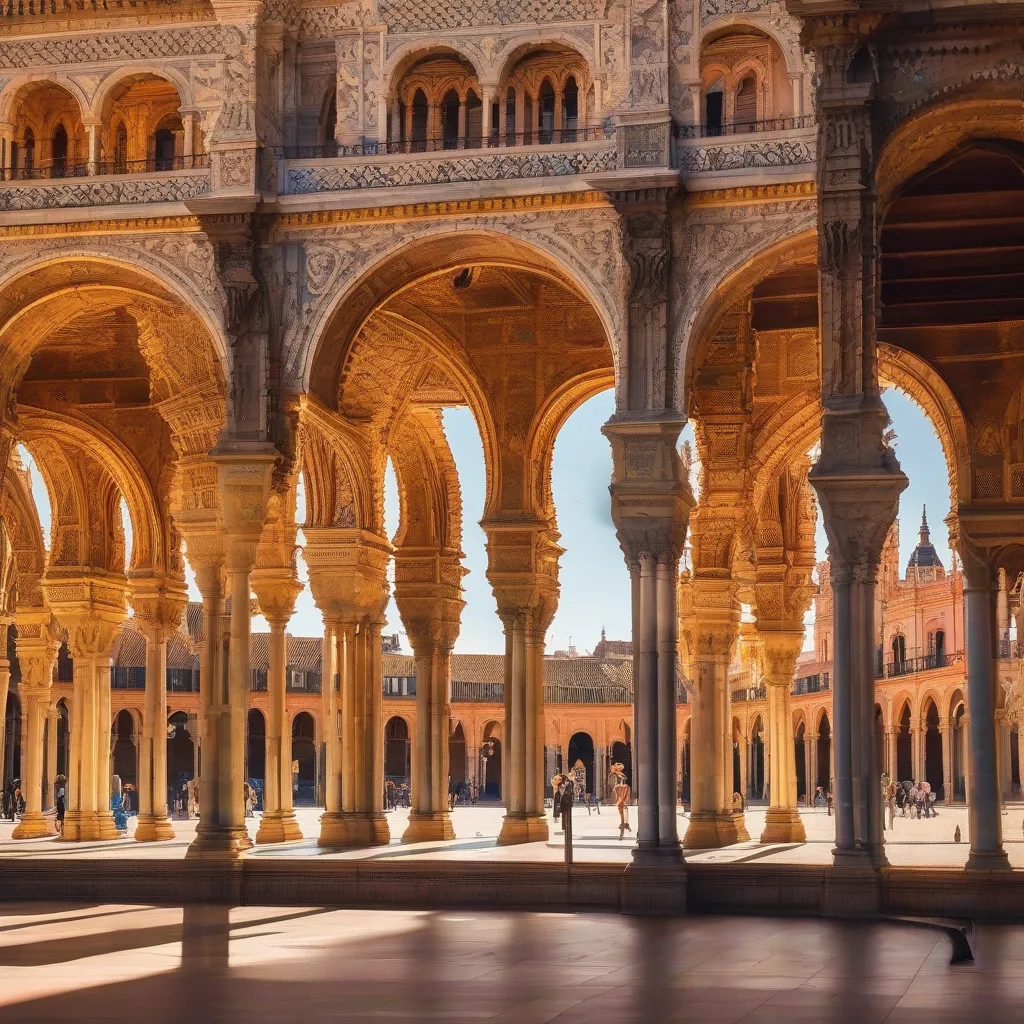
(733, 156)
(171, 188)
(497, 166)
(434, 15)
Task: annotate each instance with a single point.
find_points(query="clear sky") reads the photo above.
(593, 577)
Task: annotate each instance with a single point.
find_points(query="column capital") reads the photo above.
(522, 568)
(37, 644)
(348, 573)
(158, 604)
(780, 650)
(276, 590)
(91, 605)
(650, 489)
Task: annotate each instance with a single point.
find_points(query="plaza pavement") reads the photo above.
(912, 842)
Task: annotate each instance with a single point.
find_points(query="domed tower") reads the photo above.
(924, 565)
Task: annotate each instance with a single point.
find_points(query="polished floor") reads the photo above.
(911, 843)
(66, 962)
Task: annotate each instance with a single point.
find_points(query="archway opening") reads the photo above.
(934, 769)
(491, 763)
(958, 745)
(396, 751)
(622, 753)
(803, 793)
(904, 748)
(757, 779)
(303, 760)
(457, 761)
(824, 755)
(125, 750)
(581, 749)
(181, 762)
(256, 750)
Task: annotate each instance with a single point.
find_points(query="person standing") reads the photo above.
(61, 805)
(565, 802)
(621, 792)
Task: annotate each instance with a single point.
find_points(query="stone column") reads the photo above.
(276, 591)
(158, 606)
(915, 753)
(429, 599)
(37, 652)
(983, 804)
(782, 822)
(947, 761)
(188, 136)
(522, 567)
(857, 476)
(5, 685)
(50, 777)
(92, 627)
(713, 822)
(651, 502)
(243, 485)
(348, 578)
(488, 95)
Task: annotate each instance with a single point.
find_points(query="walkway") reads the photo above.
(913, 843)
(117, 963)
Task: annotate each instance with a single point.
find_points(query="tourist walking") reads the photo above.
(621, 792)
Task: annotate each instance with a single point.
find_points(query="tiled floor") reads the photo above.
(912, 843)
(90, 963)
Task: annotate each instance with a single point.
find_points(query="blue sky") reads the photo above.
(593, 577)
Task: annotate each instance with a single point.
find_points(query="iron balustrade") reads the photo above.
(773, 124)
(750, 693)
(910, 666)
(59, 170)
(498, 140)
(817, 683)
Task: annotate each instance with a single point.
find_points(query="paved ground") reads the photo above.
(925, 842)
(110, 963)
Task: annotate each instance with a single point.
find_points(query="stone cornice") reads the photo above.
(747, 194)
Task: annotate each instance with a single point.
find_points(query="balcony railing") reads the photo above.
(58, 170)
(773, 124)
(817, 683)
(910, 666)
(750, 693)
(449, 144)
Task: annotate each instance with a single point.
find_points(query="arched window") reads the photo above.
(510, 118)
(418, 136)
(14, 161)
(714, 111)
(450, 107)
(940, 648)
(30, 152)
(570, 110)
(899, 654)
(59, 152)
(121, 149)
(330, 125)
(745, 113)
(474, 121)
(163, 149)
(546, 112)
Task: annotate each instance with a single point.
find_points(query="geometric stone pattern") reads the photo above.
(501, 166)
(104, 193)
(777, 153)
(431, 15)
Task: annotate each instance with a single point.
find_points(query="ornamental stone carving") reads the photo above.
(174, 188)
(499, 166)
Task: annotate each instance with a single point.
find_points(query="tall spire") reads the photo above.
(924, 524)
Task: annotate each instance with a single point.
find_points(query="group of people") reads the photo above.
(571, 788)
(13, 801)
(465, 791)
(911, 799)
(396, 795)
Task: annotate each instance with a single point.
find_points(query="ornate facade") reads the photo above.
(244, 242)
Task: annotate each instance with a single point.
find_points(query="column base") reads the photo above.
(359, 828)
(656, 856)
(428, 826)
(708, 830)
(153, 828)
(523, 828)
(860, 858)
(219, 842)
(35, 825)
(987, 860)
(783, 825)
(652, 884)
(89, 826)
(278, 827)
